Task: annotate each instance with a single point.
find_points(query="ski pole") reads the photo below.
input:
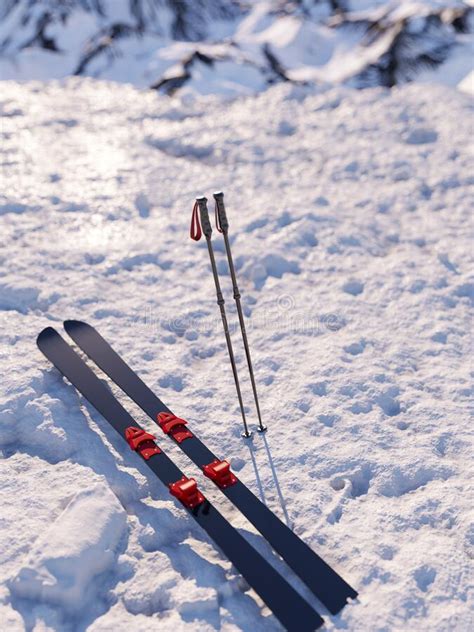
(201, 213)
(222, 225)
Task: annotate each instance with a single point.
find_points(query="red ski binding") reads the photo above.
(142, 442)
(174, 426)
(187, 491)
(220, 473)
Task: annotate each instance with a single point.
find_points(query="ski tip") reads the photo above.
(218, 195)
(71, 325)
(47, 333)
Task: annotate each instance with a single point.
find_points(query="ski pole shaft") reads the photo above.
(207, 230)
(223, 227)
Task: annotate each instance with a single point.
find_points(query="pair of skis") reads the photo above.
(200, 224)
(287, 605)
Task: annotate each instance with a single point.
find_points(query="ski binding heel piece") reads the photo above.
(174, 426)
(142, 442)
(220, 473)
(187, 491)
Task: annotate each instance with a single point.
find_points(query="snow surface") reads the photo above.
(350, 224)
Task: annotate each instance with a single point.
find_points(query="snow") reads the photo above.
(350, 226)
(311, 41)
(80, 545)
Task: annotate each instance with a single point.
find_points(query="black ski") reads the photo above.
(322, 580)
(287, 605)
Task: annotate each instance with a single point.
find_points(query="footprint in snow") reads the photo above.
(353, 287)
(442, 444)
(172, 381)
(169, 340)
(272, 266)
(444, 259)
(318, 388)
(302, 233)
(389, 405)
(143, 206)
(387, 552)
(404, 481)
(13, 207)
(321, 201)
(424, 577)
(237, 463)
(355, 348)
(420, 136)
(285, 128)
(351, 486)
(361, 407)
(469, 541)
(440, 336)
(256, 224)
(205, 393)
(303, 405)
(203, 352)
(328, 419)
(465, 290)
(177, 149)
(285, 219)
(356, 484)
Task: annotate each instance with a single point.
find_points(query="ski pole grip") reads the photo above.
(222, 222)
(205, 221)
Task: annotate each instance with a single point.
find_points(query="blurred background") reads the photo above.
(234, 47)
